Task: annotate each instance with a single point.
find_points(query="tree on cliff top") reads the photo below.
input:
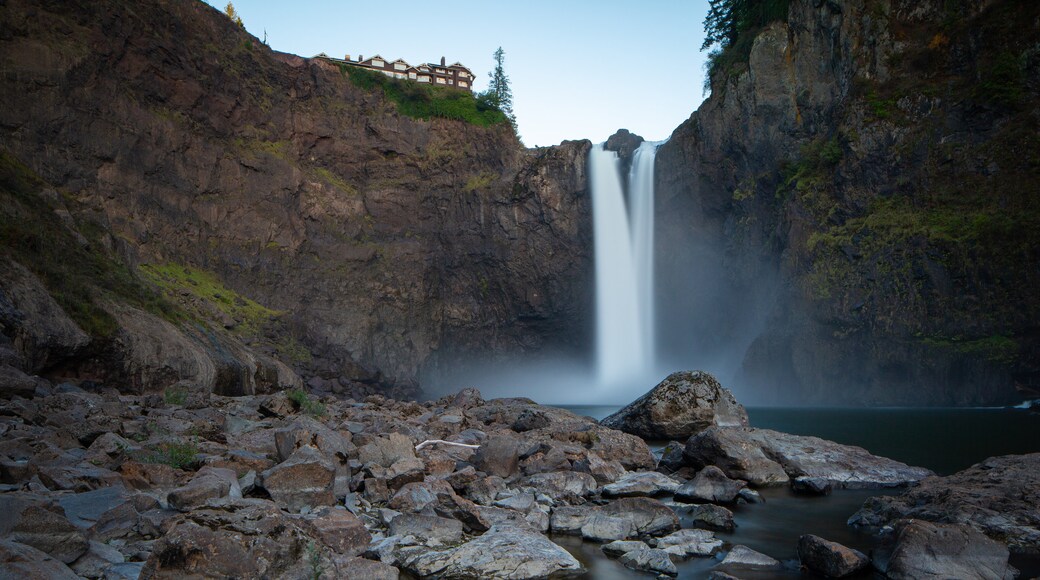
(233, 14)
(728, 19)
(498, 94)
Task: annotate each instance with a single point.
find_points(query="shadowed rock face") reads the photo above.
(787, 204)
(393, 246)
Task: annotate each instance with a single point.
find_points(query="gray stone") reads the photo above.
(208, 483)
(385, 451)
(929, 551)
(124, 571)
(620, 547)
(562, 486)
(743, 557)
(731, 451)
(649, 560)
(427, 528)
(830, 558)
(641, 483)
(98, 558)
(37, 522)
(340, 530)
(649, 516)
(20, 562)
(708, 516)
(498, 455)
(687, 543)
(511, 553)
(522, 502)
(603, 528)
(811, 485)
(999, 497)
(347, 567)
(105, 513)
(710, 485)
(682, 405)
(305, 479)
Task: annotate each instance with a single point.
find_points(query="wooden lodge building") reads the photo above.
(441, 75)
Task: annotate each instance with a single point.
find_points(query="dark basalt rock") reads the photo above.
(830, 558)
(926, 551)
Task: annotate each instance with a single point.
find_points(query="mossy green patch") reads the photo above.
(67, 254)
(175, 279)
(479, 181)
(421, 101)
(305, 403)
(997, 348)
(335, 181)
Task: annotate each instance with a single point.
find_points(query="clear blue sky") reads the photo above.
(578, 69)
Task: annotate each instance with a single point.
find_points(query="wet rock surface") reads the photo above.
(923, 550)
(830, 558)
(999, 497)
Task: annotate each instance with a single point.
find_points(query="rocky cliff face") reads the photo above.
(284, 212)
(861, 192)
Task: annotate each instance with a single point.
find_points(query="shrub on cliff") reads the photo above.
(424, 101)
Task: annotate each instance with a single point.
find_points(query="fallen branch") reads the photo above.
(432, 441)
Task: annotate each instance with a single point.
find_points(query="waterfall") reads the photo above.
(624, 265)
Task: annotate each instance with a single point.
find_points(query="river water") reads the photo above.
(943, 440)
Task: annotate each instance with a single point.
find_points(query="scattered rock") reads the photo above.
(340, 530)
(743, 557)
(22, 561)
(687, 543)
(708, 516)
(306, 479)
(830, 558)
(619, 547)
(600, 527)
(924, 550)
(565, 486)
(999, 497)
(681, 406)
(208, 483)
(731, 450)
(641, 484)
(649, 516)
(649, 560)
(710, 485)
(811, 486)
(426, 528)
(509, 553)
(362, 568)
(38, 522)
(499, 456)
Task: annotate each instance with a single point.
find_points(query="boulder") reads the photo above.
(999, 497)
(710, 485)
(708, 516)
(432, 530)
(687, 543)
(744, 558)
(513, 553)
(19, 561)
(104, 513)
(348, 567)
(499, 455)
(97, 561)
(38, 522)
(830, 558)
(649, 560)
(620, 547)
(681, 406)
(307, 478)
(15, 383)
(641, 484)
(561, 486)
(929, 551)
(208, 483)
(600, 527)
(649, 517)
(733, 452)
(385, 451)
(441, 498)
(811, 485)
(339, 530)
(672, 457)
(245, 538)
(765, 457)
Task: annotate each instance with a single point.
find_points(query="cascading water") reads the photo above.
(624, 241)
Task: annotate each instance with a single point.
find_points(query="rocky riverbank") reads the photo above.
(99, 484)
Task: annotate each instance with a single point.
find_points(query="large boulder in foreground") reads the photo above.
(927, 551)
(682, 405)
(999, 497)
(765, 457)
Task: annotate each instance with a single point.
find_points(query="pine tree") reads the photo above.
(499, 95)
(233, 14)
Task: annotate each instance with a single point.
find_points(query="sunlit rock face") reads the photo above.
(812, 213)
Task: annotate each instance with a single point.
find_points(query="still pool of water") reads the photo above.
(944, 440)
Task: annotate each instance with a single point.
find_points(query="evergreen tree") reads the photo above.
(499, 95)
(233, 14)
(728, 19)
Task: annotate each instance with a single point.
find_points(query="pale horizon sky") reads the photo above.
(578, 69)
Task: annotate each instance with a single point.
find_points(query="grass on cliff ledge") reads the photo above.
(424, 102)
(67, 255)
(184, 281)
